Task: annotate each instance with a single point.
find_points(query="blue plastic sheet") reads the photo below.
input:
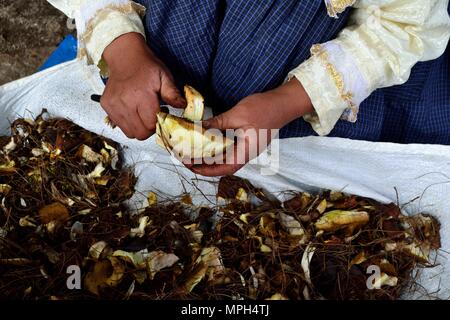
(66, 51)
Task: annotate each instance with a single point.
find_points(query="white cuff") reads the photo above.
(334, 84)
(323, 92)
(99, 23)
(355, 86)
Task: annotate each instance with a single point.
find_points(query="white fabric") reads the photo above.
(373, 170)
(314, 75)
(90, 9)
(354, 81)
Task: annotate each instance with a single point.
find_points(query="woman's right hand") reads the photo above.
(138, 79)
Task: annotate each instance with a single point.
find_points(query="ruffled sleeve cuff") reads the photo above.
(334, 84)
(99, 23)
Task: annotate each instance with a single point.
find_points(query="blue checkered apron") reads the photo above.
(229, 49)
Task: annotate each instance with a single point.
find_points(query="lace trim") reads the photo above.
(334, 7)
(350, 114)
(103, 13)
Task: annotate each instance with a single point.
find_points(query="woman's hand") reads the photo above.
(138, 79)
(256, 120)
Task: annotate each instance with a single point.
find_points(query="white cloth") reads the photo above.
(375, 170)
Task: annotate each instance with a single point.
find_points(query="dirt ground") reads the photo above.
(29, 32)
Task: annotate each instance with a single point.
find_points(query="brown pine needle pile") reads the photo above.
(62, 194)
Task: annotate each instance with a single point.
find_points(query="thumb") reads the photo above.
(221, 122)
(231, 119)
(170, 94)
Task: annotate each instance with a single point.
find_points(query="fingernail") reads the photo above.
(188, 165)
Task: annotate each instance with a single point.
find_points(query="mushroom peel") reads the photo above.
(195, 104)
(186, 138)
(189, 140)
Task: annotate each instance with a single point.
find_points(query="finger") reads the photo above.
(147, 112)
(216, 170)
(170, 93)
(123, 125)
(222, 122)
(188, 164)
(110, 110)
(231, 162)
(139, 130)
(128, 120)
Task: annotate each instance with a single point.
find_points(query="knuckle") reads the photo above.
(111, 101)
(126, 131)
(152, 127)
(105, 101)
(124, 99)
(130, 95)
(142, 138)
(144, 135)
(220, 121)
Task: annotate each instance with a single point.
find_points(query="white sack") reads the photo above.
(381, 171)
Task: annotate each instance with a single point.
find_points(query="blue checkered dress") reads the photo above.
(229, 49)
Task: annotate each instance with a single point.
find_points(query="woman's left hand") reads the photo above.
(256, 120)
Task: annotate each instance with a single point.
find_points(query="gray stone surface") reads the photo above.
(29, 32)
